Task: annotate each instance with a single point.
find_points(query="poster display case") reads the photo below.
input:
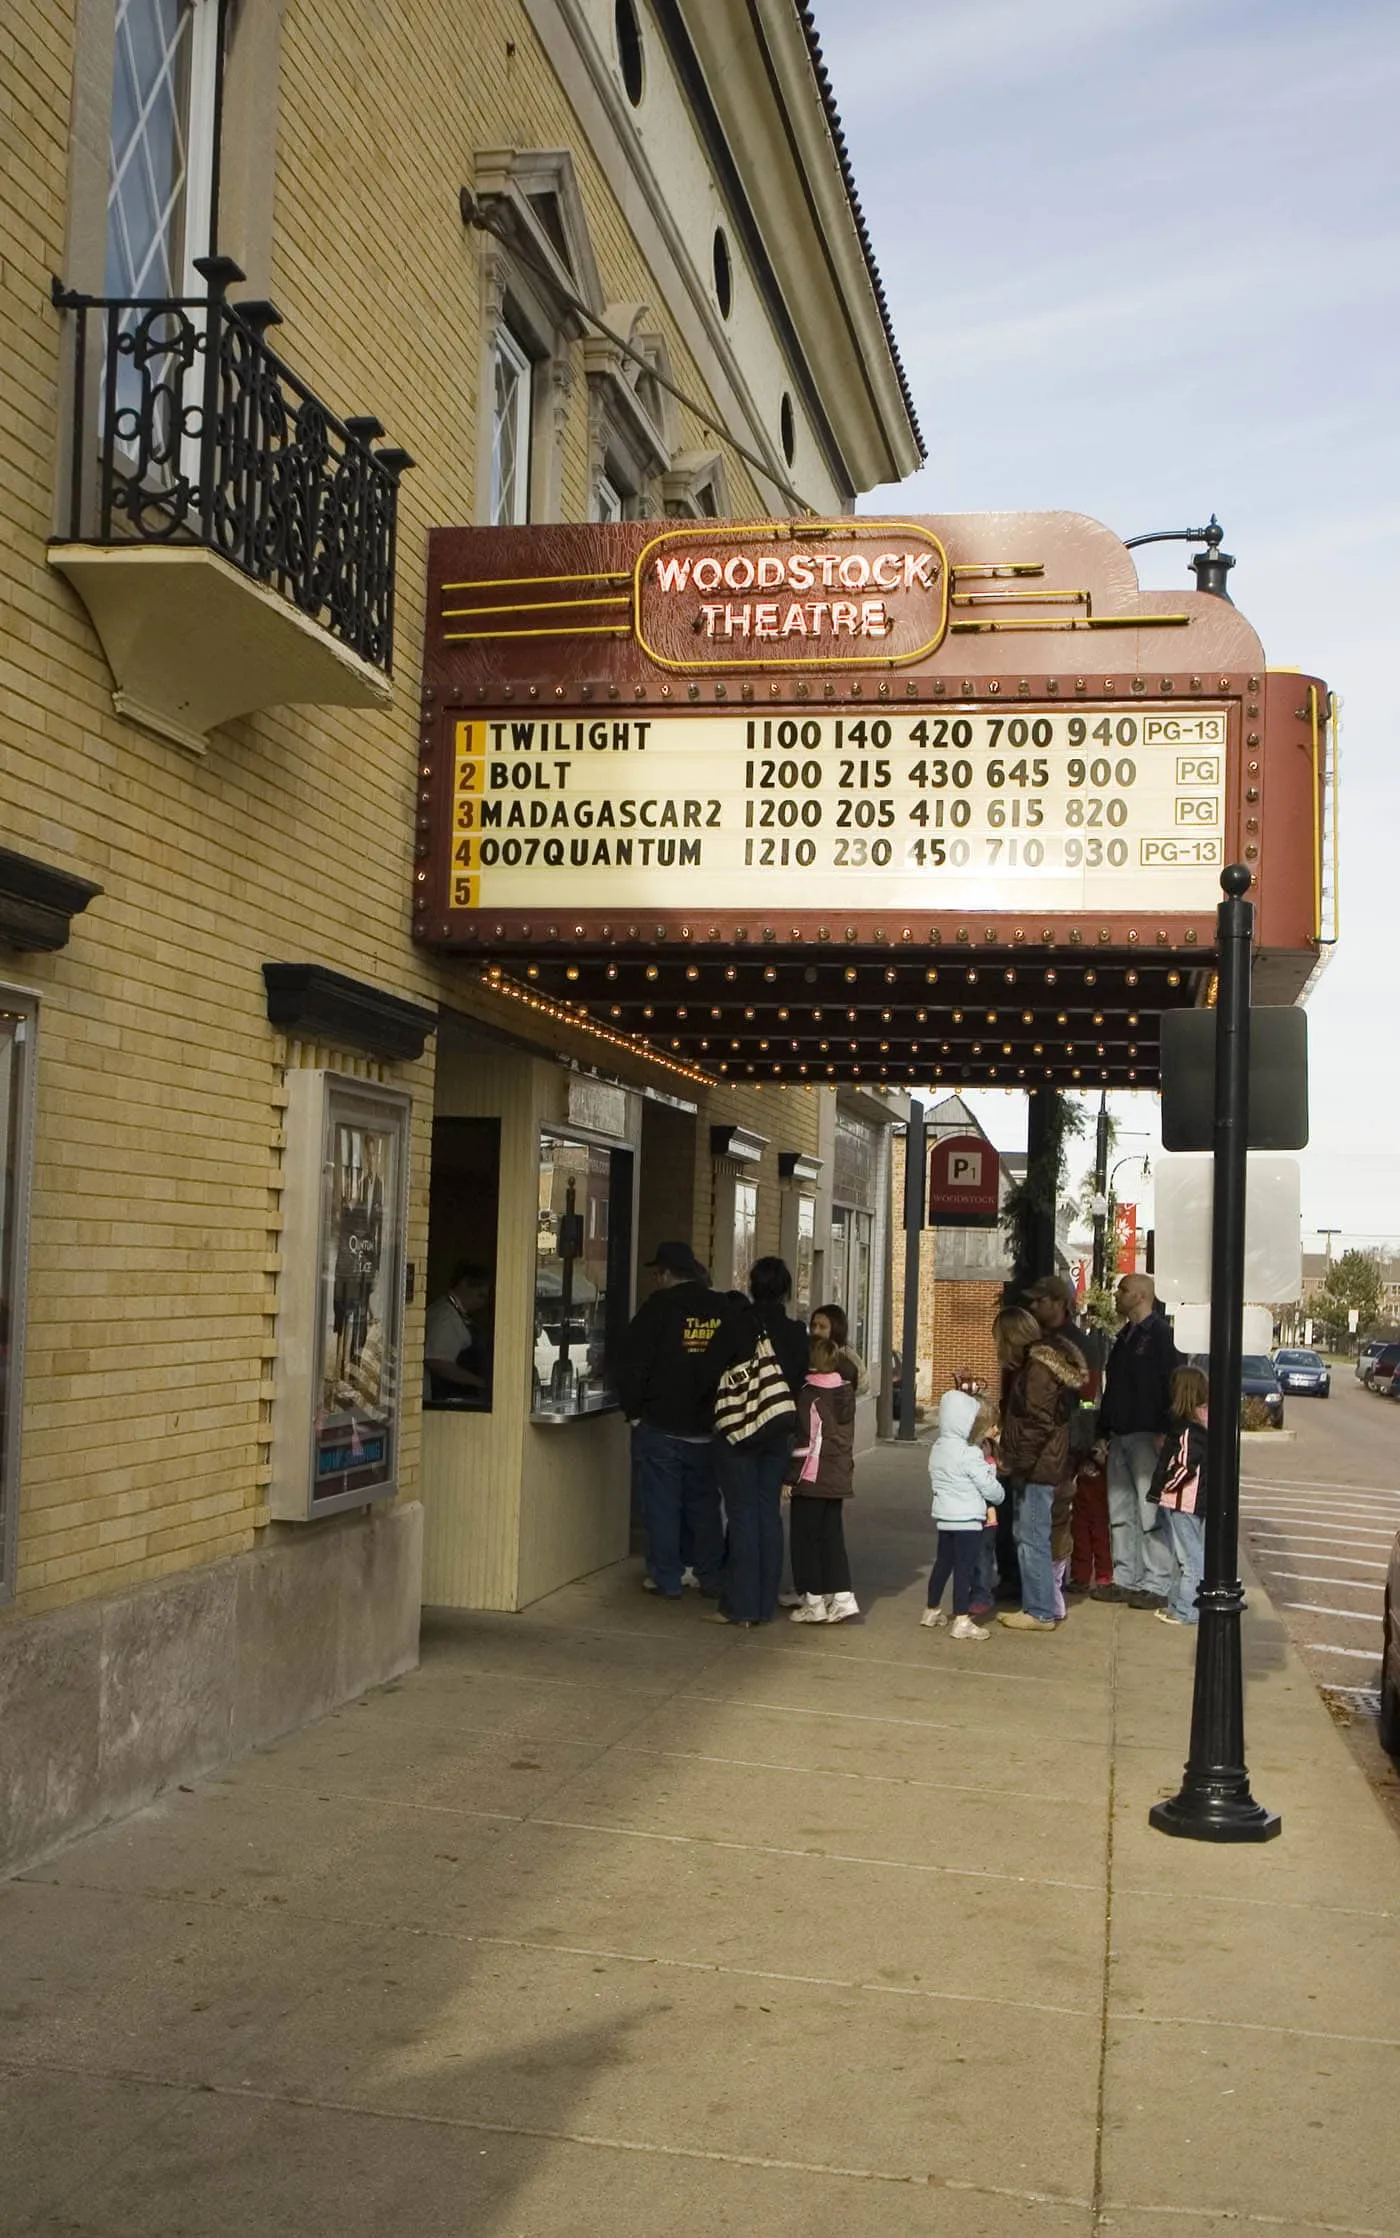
(339, 1380)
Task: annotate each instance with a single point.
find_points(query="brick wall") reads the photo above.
(156, 1213)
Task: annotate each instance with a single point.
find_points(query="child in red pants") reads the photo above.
(1091, 1563)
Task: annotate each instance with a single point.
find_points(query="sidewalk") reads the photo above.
(610, 1923)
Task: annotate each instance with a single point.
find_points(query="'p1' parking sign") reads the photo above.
(964, 1182)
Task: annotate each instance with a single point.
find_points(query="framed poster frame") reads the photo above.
(339, 1383)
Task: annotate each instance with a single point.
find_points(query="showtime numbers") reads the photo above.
(1070, 807)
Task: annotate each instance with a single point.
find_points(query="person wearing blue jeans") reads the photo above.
(752, 1485)
(1134, 1416)
(1048, 1373)
(672, 1447)
(1033, 1505)
(1178, 1493)
(1142, 1554)
(678, 1494)
(751, 1477)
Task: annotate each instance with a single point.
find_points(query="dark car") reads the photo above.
(1381, 1374)
(1303, 1371)
(1389, 1723)
(1366, 1357)
(1258, 1380)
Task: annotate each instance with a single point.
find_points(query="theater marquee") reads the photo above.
(974, 730)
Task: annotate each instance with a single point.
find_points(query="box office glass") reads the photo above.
(583, 1276)
(339, 1381)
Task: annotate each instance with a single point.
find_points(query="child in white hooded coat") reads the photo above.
(965, 1488)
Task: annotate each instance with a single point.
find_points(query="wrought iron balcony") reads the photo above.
(190, 435)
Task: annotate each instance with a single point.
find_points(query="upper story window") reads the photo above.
(164, 122)
(609, 502)
(512, 412)
(724, 274)
(629, 50)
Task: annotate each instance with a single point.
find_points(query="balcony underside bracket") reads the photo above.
(193, 643)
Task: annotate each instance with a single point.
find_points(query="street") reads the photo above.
(1319, 1512)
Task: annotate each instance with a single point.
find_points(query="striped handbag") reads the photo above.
(754, 1400)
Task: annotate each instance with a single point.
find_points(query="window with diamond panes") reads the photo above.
(161, 171)
(510, 432)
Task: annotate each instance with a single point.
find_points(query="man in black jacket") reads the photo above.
(1134, 1417)
(672, 1441)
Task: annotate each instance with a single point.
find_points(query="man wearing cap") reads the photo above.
(672, 1433)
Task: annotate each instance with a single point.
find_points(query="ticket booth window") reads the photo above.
(583, 1265)
(459, 1347)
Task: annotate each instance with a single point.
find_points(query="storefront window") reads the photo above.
(583, 1258)
(745, 1231)
(851, 1239)
(16, 1040)
(802, 1270)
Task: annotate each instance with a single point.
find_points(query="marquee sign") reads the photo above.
(969, 730)
(790, 595)
(1066, 809)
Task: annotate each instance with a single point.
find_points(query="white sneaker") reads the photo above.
(811, 1609)
(840, 1606)
(933, 1618)
(965, 1629)
(790, 1600)
(689, 1578)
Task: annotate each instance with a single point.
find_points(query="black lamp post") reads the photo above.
(1214, 1803)
(1211, 566)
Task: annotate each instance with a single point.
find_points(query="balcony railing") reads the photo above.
(204, 436)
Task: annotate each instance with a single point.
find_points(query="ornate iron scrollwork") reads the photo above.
(205, 435)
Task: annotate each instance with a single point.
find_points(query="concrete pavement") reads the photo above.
(612, 1921)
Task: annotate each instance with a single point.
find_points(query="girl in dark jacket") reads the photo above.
(820, 1472)
(1179, 1491)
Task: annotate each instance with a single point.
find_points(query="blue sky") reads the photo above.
(1143, 259)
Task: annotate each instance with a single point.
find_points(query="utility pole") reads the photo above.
(1327, 1235)
(1101, 1190)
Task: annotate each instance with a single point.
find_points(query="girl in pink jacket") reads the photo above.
(821, 1477)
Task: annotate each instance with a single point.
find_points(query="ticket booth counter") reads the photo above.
(526, 1472)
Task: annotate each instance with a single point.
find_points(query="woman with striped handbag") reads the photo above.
(755, 1365)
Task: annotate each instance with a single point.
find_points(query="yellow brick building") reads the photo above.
(208, 747)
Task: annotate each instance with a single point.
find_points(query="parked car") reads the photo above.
(1389, 1719)
(1382, 1370)
(1367, 1357)
(1303, 1371)
(1258, 1380)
